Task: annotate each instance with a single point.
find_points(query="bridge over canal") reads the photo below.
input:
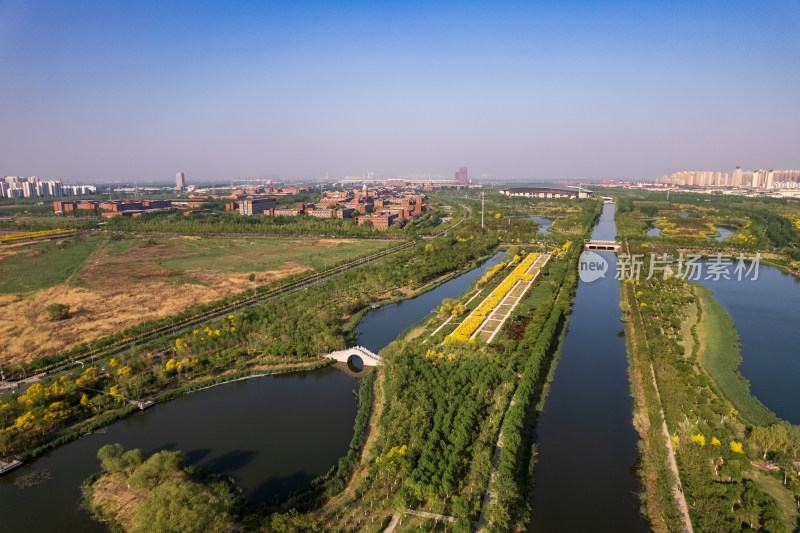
(595, 244)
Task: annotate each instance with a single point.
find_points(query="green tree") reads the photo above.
(156, 469)
(769, 438)
(57, 311)
(180, 506)
(793, 434)
(110, 457)
(751, 501)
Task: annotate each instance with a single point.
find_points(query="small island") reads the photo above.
(135, 493)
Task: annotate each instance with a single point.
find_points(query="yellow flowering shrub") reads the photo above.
(476, 318)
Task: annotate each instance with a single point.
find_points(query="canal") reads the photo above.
(585, 441)
(272, 434)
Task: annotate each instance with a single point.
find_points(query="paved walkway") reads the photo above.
(451, 318)
(392, 524)
(426, 514)
(493, 323)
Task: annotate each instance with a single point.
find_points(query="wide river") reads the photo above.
(273, 434)
(585, 442)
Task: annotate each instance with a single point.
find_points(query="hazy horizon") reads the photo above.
(137, 91)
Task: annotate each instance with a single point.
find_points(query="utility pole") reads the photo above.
(482, 204)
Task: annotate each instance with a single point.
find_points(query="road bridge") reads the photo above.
(595, 244)
(344, 356)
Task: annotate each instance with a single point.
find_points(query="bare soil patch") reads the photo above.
(110, 305)
(116, 499)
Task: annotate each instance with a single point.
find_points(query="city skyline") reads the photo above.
(520, 91)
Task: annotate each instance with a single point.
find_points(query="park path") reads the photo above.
(677, 487)
(392, 524)
(493, 323)
(491, 496)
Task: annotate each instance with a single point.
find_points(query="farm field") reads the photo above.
(113, 284)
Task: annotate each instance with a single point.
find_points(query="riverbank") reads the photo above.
(350, 327)
(658, 475)
(720, 355)
(682, 412)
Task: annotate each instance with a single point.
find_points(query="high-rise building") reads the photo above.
(768, 184)
(29, 189)
(180, 182)
(736, 180)
(461, 176)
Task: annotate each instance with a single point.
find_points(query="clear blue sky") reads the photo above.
(138, 90)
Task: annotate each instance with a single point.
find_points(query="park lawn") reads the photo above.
(44, 264)
(721, 357)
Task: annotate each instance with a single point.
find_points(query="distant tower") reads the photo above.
(180, 182)
(461, 176)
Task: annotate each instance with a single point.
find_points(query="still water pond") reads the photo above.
(544, 223)
(766, 313)
(723, 234)
(273, 434)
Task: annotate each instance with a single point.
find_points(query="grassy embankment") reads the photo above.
(720, 356)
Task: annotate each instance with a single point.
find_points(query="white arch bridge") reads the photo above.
(369, 358)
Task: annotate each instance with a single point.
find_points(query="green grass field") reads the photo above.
(44, 264)
(721, 358)
(247, 255)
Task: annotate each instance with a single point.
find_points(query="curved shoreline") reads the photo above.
(722, 359)
(80, 429)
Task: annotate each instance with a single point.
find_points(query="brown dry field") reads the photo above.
(113, 495)
(114, 292)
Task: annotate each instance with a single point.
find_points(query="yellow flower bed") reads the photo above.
(32, 234)
(473, 321)
(490, 274)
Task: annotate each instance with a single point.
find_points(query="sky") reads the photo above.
(139, 90)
